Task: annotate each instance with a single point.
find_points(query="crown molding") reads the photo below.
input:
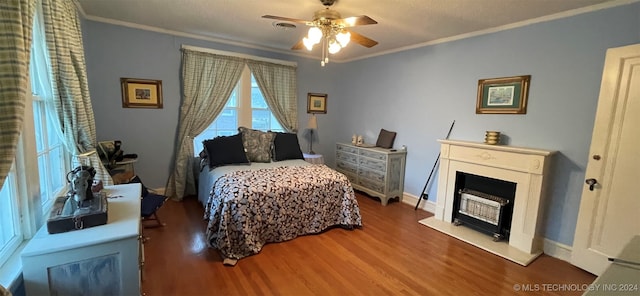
(542, 19)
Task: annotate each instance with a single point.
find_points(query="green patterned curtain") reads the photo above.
(207, 82)
(278, 85)
(70, 86)
(16, 21)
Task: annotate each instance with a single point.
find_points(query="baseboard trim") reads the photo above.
(159, 190)
(557, 250)
(412, 200)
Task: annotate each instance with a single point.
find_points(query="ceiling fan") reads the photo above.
(329, 28)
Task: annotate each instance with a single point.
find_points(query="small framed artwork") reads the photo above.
(141, 93)
(506, 95)
(317, 103)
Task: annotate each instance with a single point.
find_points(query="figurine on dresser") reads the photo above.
(80, 181)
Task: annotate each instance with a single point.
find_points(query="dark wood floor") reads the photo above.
(391, 254)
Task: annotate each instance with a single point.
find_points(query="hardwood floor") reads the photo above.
(391, 254)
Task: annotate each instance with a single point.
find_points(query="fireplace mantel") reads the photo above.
(527, 167)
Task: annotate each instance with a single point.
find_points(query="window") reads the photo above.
(51, 154)
(246, 107)
(38, 175)
(10, 232)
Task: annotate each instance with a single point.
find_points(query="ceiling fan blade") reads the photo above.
(356, 21)
(298, 46)
(362, 40)
(281, 18)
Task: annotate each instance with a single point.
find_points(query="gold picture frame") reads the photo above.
(141, 93)
(317, 103)
(504, 95)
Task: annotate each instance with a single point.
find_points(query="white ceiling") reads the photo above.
(402, 24)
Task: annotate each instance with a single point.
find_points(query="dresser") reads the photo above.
(376, 171)
(105, 259)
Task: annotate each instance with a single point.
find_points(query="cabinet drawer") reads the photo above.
(373, 164)
(374, 154)
(344, 166)
(376, 176)
(352, 177)
(346, 148)
(377, 187)
(342, 156)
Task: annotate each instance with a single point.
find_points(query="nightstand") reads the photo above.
(313, 158)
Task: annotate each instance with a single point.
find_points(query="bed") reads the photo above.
(249, 204)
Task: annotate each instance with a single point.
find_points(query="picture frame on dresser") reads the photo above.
(504, 95)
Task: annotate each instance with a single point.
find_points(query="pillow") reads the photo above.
(225, 150)
(257, 144)
(385, 139)
(286, 146)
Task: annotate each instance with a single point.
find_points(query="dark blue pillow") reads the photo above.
(286, 146)
(225, 150)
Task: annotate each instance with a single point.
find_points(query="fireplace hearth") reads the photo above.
(471, 191)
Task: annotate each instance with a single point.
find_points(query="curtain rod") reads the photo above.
(239, 55)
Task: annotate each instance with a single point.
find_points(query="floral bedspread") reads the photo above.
(249, 208)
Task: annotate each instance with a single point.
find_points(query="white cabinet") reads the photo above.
(100, 260)
(376, 171)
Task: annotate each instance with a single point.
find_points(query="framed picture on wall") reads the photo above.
(505, 95)
(317, 103)
(141, 93)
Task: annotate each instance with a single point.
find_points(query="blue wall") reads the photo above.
(113, 52)
(417, 93)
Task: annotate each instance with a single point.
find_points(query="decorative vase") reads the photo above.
(492, 137)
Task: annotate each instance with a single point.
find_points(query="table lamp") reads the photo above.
(312, 125)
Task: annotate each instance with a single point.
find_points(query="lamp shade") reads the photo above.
(313, 122)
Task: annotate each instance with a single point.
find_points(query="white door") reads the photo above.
(610, 213)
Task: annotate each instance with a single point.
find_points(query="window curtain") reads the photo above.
(16, 21)
(278, 85)
(207, 82)
(70, 87)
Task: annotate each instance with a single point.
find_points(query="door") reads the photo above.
(610, 208)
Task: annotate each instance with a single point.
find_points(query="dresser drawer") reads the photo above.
(348, 149)
(373, 175)
(373, 154)
(345, 166)
(348, 157)
(352, 177)
(377, 187)
(373, 164)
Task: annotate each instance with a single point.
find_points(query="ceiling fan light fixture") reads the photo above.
(314, 35)
(308, 44)
(334, 47)
(343, 38)
(329, 28)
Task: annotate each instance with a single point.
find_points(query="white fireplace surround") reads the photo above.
(526, 167)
